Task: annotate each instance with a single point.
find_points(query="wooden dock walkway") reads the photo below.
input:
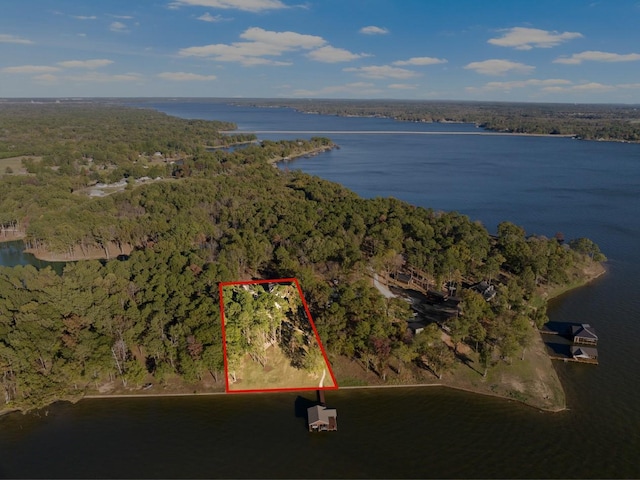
(590, 361)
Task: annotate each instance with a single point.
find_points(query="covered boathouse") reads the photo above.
(322, 419)
(584, 354)
(584, 334)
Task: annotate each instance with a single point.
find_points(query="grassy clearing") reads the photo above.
(277, 374)
(532, 380)
(582, 275)
(14, 164)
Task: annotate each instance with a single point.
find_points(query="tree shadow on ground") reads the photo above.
(466, 361)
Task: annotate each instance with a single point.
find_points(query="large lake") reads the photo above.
(546, 185)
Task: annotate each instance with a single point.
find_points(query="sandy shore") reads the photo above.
(90, 253)
(310, 153)
(149, 395)
(11, 236)
(352, 387)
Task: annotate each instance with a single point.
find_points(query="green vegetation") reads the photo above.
(266, 323)
(589, 122)
(224, 216)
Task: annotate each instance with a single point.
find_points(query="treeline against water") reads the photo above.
(226, 216)
(585, 121)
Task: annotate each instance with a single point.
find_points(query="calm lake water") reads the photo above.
(545, 185)
(12, 254)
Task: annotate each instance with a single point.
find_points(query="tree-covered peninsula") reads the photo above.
(186, 217)
(619, 123)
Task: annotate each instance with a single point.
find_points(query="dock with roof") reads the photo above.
(320, 418)
(572, 342)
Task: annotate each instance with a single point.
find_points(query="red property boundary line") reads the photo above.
(294, 281)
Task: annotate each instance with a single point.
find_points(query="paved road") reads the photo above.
(382, 288)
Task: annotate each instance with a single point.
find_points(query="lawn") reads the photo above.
(14, 164)
(278, 373)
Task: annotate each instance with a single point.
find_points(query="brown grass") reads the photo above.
(15, 164)
(277, 374)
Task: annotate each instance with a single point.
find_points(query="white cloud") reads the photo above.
(590, 87)
(90, 64)
(402, 86)
(329, 54)
(122, 17)
(85, 17)
(96, 77)
(499, 67)
(245, 53)
(350, 90)
(373, 30)
(522, 38)
(553, 86)
(261, 43)
(284, 40)
(244, 5)
(255, 61)
(30, 69)
(117, 27)
(207, 17)
(629, 85)
(550, 82)
(382, 71)
(5, 38)
(46, 78)
(595, 56)
(420, 61)
(185, 77)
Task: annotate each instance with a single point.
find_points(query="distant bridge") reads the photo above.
(394, 132)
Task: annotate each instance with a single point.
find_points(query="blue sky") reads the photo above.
(520, 50)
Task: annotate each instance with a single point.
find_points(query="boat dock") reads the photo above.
(320, 418)
(572, 342)
(592, 361)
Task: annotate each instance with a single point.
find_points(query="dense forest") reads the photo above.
(220, 216)
(584, 121)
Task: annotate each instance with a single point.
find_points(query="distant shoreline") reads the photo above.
(484, 132)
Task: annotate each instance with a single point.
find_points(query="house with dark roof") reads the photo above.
(485, 289)
(322, 419)
(584, 334)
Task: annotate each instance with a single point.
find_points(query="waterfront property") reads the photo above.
(571, 342)
(584, 334)
(322, 419)
(584, 354)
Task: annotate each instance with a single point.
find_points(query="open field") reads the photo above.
(278, 373)
(14, 164)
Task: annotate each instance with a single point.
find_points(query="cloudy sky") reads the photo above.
(517, 50)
